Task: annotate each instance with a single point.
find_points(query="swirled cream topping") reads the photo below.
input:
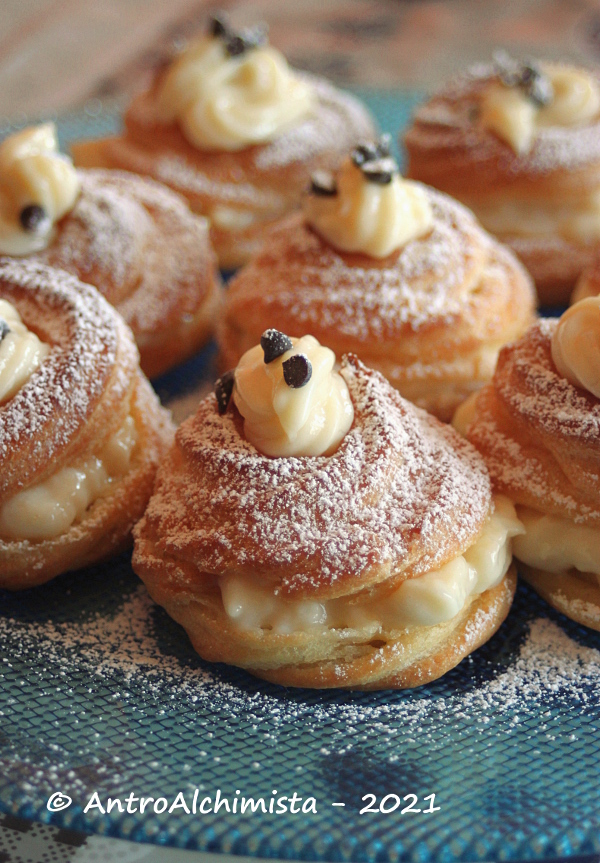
(48, 510)
(21, 352)
(38, 186)
(430, 599)
(528, 98)
(576, 345)
(369, 207)
(292, 400)
(229, 91)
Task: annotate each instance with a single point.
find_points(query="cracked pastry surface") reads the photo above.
(249, 552)
(81, 434)
(431, 316)
(543, 198)
(539, 434)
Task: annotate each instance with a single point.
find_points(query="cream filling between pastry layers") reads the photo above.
(21, 352)
(427, 600)
(516, 118)
(556, 544)
(48, 510)
(579, 223)
(225, 102)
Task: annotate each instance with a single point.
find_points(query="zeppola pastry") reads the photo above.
(388, 269)
(315, 528)
(235, 130)
(81, 431)
(538, 427)
(588, 284)
(131, 238)
(520, 145)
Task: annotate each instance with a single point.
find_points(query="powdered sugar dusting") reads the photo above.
(402, 491)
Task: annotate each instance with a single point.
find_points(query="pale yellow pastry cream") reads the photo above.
(280, 420)
(21, 352)
(49, 509)
(576, 345)
(369, 217)
(38, 186)
(427, 600)
(224, 102)
(556, 544)
(516, 119)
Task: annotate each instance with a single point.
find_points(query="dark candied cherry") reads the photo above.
(297, 371)
(274, 344)
(537, 85)
(4, 329)
(323, 183)
(34, 218)
(369, 151)
(223, 390)
(218, 26)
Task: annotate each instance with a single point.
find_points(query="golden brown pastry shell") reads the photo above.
(68, 409)
(138, 243)
(401, 496)
(431, 317)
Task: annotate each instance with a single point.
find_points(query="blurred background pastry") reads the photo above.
(391, 270)
(519, 143)
(133, 239)
(229, 125)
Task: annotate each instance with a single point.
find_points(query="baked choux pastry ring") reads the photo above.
(315, 528)
(391, 270)
(519, 143)
(133, 239)
(537, 426)
(231, 127)
(81, 431)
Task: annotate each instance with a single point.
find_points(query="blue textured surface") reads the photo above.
(100, 691)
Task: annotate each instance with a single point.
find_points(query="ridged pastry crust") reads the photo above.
(430, 317)
(67, 410)
(139, 244)
(540, 438)
(253, 187)
(449, 149)
(401, 496)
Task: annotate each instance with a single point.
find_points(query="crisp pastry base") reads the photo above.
(568, 593)
(242, 193)
(106, 527)
(336, 658)
(149, 256)
(431, 317)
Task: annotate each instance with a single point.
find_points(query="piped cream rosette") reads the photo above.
(38, 186)
(378, 560)
(229, 91)
(538, 426)
(528, 98)
(368, 208)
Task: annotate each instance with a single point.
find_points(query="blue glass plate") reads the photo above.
(101, 696)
